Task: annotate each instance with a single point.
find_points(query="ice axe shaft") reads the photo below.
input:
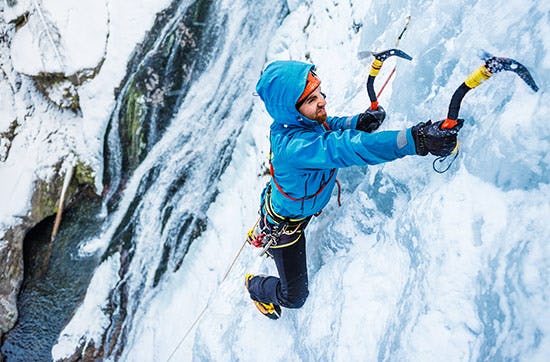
(492, 65)
(375, 67)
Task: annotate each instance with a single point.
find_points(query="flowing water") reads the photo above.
(166, 147)
(53, 287)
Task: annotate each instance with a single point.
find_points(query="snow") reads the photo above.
(63, 38)
(415, 265)
(112, 32)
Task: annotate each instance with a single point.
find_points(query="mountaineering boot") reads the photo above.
(270, 310)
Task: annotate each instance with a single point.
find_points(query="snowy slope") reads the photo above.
(90, 32)
(416, 265)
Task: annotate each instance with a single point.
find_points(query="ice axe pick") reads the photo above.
(375, 67)
(491, 66)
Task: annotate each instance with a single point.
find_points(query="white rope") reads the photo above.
(207, 304)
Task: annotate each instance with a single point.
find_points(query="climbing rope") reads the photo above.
(201, 314)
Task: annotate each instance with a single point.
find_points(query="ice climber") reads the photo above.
(307, 149)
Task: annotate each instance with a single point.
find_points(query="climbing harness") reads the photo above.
(266, 234)
(264, 238)
(491, 66)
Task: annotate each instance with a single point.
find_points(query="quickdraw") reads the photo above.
(264, 238)
(255, 237)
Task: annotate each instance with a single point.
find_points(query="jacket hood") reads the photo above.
(280, 85)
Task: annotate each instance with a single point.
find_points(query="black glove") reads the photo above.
(429, 137)
(370, 120)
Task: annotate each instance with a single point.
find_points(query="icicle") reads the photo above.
(66, 182)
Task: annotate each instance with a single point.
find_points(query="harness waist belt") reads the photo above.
(278, 219)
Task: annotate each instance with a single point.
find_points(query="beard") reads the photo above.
(320, 118)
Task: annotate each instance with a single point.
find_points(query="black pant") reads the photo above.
(290, 290)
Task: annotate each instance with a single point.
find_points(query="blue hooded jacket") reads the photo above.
(305, 154)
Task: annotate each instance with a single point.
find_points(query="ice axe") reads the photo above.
(375, 67)
(491, 66)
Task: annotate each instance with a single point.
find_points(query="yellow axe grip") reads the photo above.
(478, 76)
(375, 67)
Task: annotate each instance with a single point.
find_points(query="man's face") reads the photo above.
(314, 106)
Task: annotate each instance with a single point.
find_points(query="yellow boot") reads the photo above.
(270, 310)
